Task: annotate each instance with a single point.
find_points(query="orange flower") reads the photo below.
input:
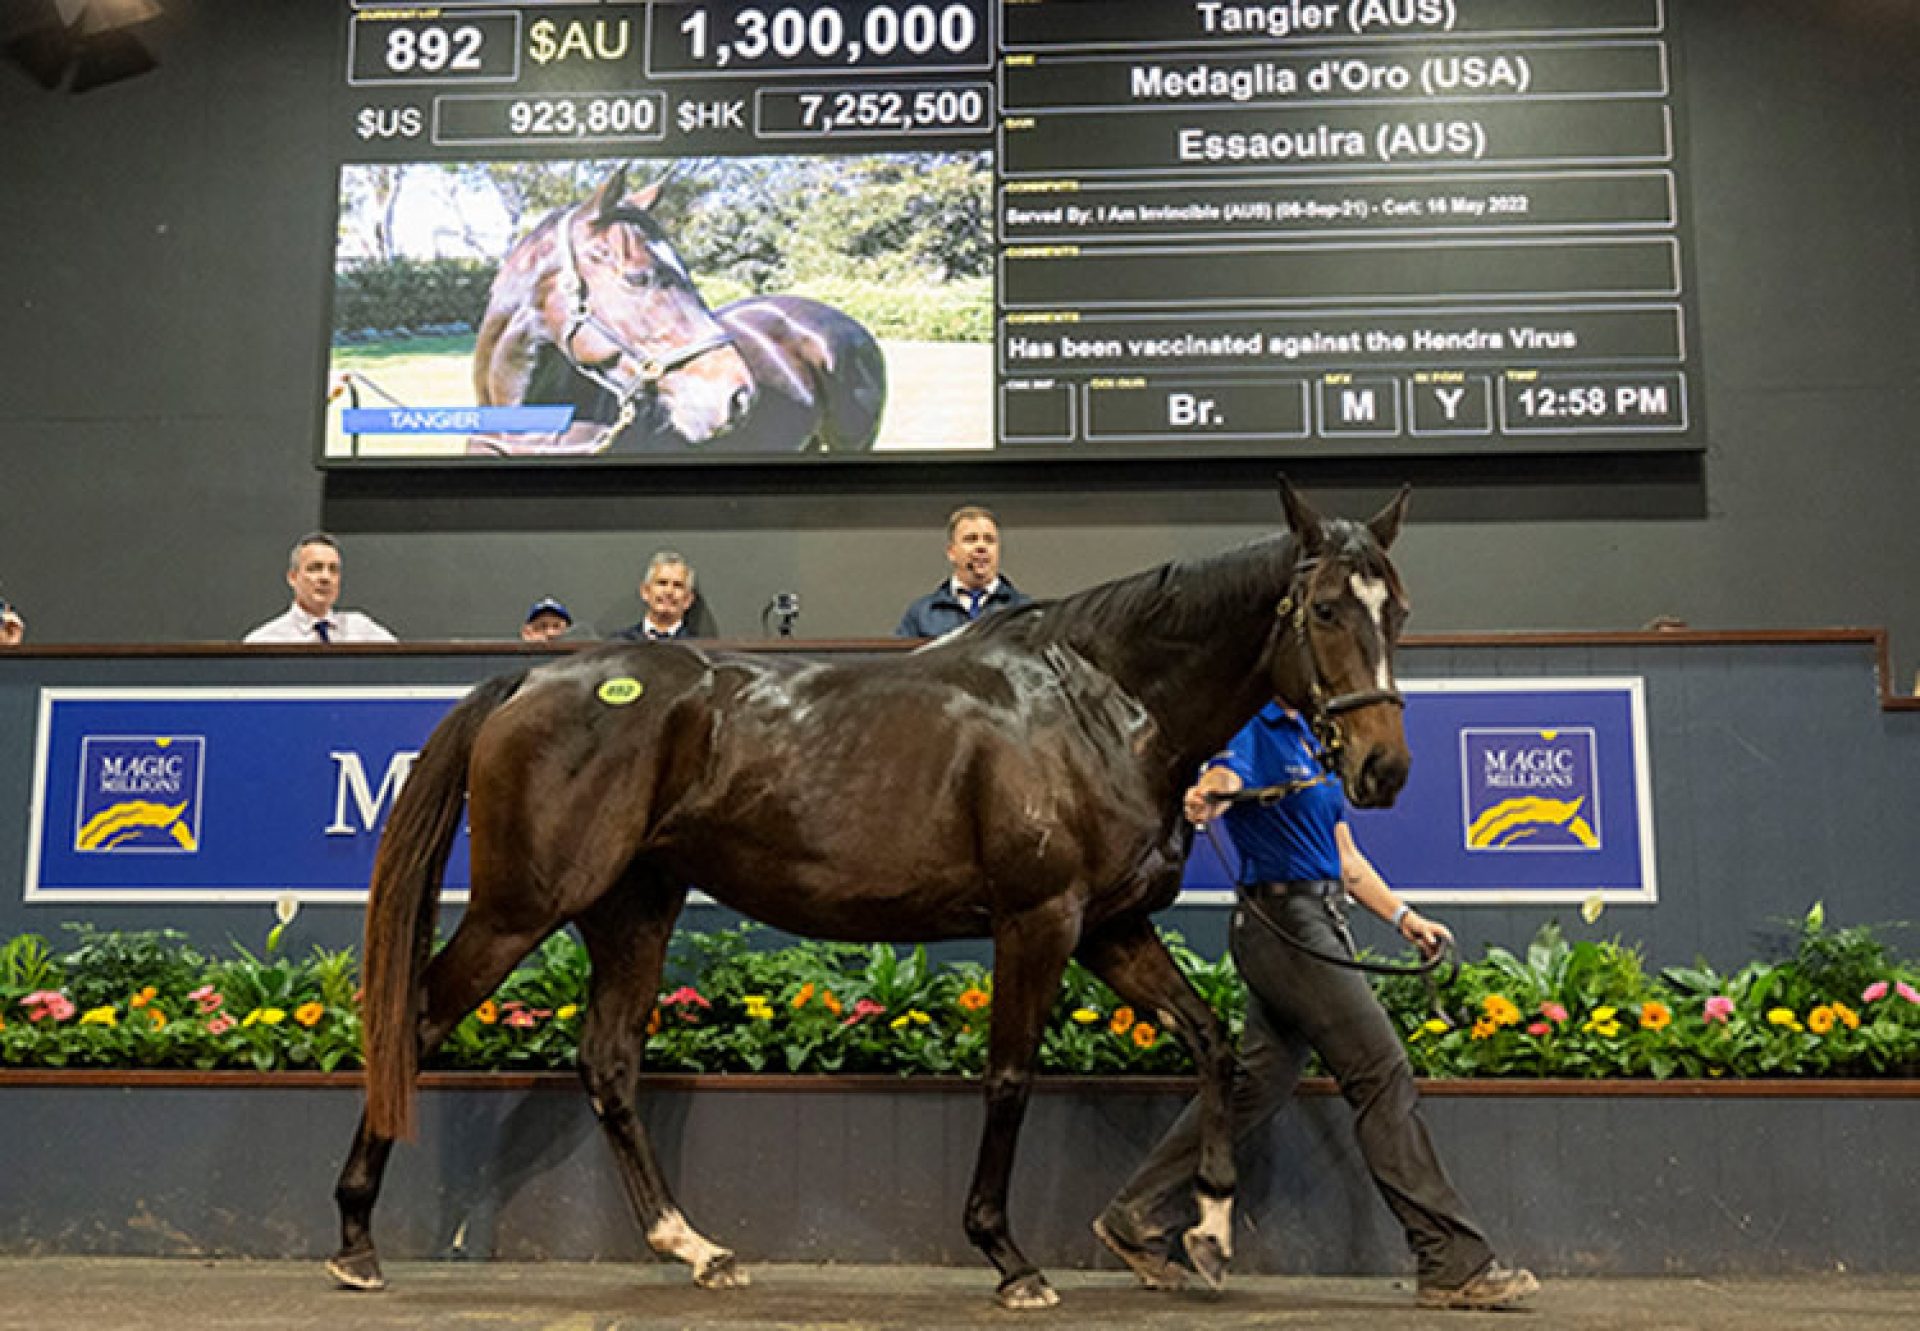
(1122, 1020)
(144, 997)
(1821, 1020)
(1144, 1035)
(157, 1017)
(829, 1002)
(653, 1023)
(1655, 1016)
(309, 1014)
(974, 998)
(1484, 1028)
(487, 1013)
(805, 996)
(1847, 1015)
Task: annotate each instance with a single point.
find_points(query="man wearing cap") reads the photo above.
(546, 621)
(668, 591)
(313, 571)
(975, 587)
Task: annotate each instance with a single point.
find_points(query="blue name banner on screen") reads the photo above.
(456, 420)
(1522, 791)
(231, 794)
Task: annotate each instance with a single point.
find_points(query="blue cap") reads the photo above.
(546, 605)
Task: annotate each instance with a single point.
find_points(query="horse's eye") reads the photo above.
(1325, 611)
(640, 280)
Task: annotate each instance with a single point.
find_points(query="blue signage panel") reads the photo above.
(1531, 790)
(1522, 791)
(230, 794)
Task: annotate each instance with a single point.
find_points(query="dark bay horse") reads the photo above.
(595, 308)
(1018, 780)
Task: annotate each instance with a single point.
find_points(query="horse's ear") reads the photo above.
(1302, 521)
(645, 197)
(1385, 525)
(606, 199)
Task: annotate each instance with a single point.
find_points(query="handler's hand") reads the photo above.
(1201, 804)
(1427, 935)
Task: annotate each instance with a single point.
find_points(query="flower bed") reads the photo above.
(1840, 1004)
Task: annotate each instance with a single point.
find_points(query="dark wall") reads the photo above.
(163, 280)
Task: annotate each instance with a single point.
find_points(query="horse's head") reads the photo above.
(629, 318)
(1331, 656)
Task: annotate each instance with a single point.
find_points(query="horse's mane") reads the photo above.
(1184, 598)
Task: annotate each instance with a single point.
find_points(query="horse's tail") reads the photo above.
(404, 900)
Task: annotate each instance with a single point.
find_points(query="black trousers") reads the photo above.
(1296, 1003)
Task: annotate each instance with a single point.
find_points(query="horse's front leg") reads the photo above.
(1030, 953)
(1130, 956)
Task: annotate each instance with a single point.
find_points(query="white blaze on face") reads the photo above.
(1372, 593)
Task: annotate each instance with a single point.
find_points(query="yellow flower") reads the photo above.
(1820, 1020)
(1086, 1016)
(268, 1016)
(1431, 1026)
(567, 1012)
(974, 998)
(1655, 1016)
(1500, 1010)
(1144, 1035)
(1783, 1016)
(309, 1014)
(918, 1017)
(805, 996)
(1603, 1021)
(1848, 1017)
(487, 1013)
(100, 1016)
(1122, 1020)
(1484, 1028)
(758, 1009)
(144, 997)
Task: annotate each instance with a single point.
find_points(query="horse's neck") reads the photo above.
(1204, 675)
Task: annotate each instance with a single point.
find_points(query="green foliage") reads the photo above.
(408, 295)
(1839, 1005)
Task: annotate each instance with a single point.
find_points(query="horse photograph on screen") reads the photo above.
(698, 308)
(1017, 780)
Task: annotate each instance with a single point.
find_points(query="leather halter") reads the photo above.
(1322, 712)
(653, 368)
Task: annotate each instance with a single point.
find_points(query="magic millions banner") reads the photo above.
(1522, 790)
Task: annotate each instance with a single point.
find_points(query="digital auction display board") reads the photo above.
(726, 231)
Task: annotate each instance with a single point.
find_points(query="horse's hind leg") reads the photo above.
(1131, 958)
(626, 933)
(481, 953)
(1029, 954)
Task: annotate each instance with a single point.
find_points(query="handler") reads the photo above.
(1299, 864)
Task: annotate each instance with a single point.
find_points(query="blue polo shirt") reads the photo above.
(1291, 840)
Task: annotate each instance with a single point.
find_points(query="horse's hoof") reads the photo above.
(1209, 1261)
(721, 1271)
(358, 1269)
(1026, 1293)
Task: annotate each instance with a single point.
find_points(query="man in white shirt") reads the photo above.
(976, 585)
(314, 574)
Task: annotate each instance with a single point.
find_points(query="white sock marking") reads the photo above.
(672, 1235)
(1216, 1223)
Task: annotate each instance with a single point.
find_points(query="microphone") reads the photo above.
(783, 608)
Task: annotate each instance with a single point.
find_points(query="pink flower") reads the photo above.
(220, 1025)
(47, 1005)
(1539, 1028)
(1907, 992)
(522, 1019)
(1874, 992)
(207, 999)
(1719, 1008)
(866, 1007)
(686, 993)
(1553, 1012)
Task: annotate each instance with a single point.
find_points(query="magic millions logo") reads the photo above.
(140, 793)
(1530, 789)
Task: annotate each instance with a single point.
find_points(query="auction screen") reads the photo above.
(885, 229)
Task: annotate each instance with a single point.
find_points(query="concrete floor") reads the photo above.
(106, 1294)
